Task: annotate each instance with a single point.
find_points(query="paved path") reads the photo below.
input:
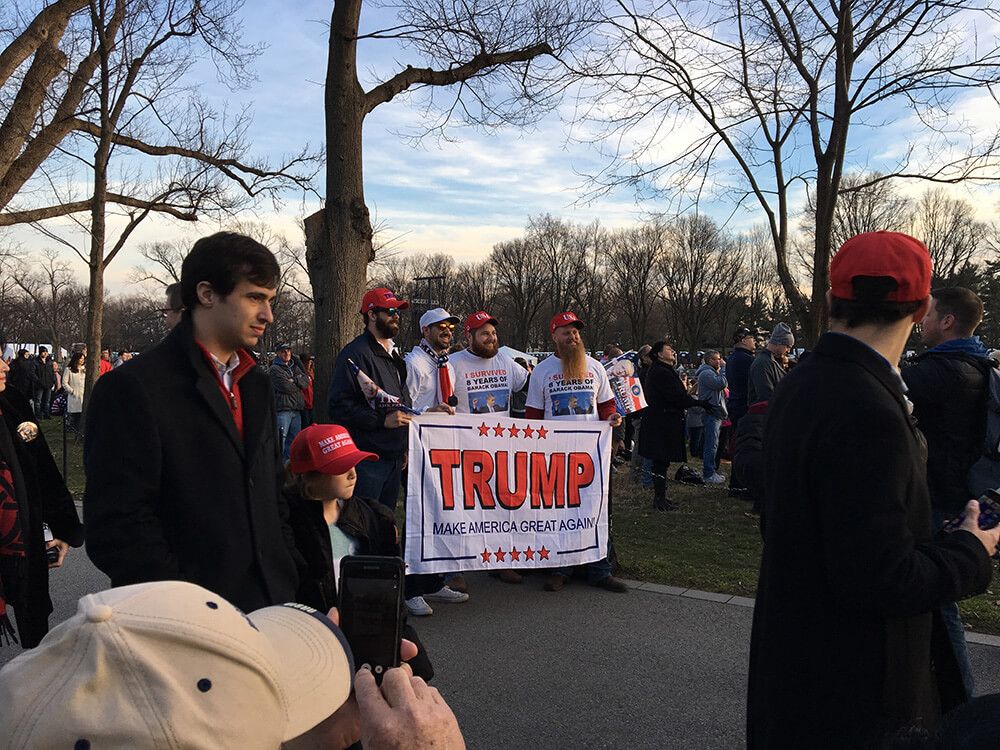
(581, 668)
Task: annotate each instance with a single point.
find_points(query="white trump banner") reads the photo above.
(488, 492)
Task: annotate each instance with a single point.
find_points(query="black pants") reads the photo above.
(659, 470)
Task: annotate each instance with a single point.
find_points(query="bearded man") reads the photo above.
(572, 375)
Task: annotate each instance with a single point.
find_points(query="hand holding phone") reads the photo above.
(371, 606)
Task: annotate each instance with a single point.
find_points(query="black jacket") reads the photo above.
(43, 376)
(661, 432)
(174, 492)
(350, 408)
(848, 641)
(372, 525)
(738, 375)
(765, 374)
(21, 376)
(288, 382)
(948, 391)
(41, 497)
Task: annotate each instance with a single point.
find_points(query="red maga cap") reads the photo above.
(564, 319)
(381, 297)
(326, 448)
(892, 254)
(478, 320)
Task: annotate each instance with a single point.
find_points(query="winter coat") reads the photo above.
(21, 374)
(288, 380)
(371, 525)
(42, 497)
(74, 383)
(765, 374)
(848, 641)
(711, 388)
(661, 432)
(350, 408)
(948, 391)
(174, 492)
(738, 376)
(44, 376)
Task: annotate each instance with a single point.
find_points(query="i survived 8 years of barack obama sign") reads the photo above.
(492, 493)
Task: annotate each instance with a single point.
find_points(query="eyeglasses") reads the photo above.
(165, 311)
(392, 312)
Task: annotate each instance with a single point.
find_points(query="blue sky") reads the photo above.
(458, 197)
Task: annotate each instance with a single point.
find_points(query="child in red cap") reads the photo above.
(329, 523)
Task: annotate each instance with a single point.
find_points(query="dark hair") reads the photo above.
(869, 305)
(74, 361)
(223, 260)
(656, 348)
(963, 304)
(173, 293)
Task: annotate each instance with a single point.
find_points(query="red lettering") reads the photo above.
(512, 500)
(547, 482)
(580, 475)
(445, 461)
(477, 471)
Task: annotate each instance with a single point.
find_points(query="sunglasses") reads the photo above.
(446, 326)
(392, 312)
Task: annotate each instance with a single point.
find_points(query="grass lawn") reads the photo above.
(712, 543)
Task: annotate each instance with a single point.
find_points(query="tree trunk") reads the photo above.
(339, 237)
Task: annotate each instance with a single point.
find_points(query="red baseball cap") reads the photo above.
(381, 297)
(564, 319)
(326, 448)
(478, 320)
(892, 254)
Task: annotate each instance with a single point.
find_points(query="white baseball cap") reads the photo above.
(172, 665)
(437, 315)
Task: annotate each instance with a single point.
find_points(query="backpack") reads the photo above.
(985, 473)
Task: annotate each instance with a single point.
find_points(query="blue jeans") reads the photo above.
(712, 426)
(953, 624)
(289, 425)
(43, 403)
(379, 480)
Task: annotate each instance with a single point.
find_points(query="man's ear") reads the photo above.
(922, 310)
(205, 293)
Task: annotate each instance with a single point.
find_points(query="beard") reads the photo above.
(574, 360)
(486, 350)
(388, 328)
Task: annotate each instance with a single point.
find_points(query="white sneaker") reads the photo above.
(716, 478)
(418, 607)
(445, 594)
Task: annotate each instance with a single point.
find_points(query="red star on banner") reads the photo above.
(543, 554)
(498, 430)
(500, 554)
(529, 554)
(515, 555)
(513, 431)
(542, 432)
(486, 556)
(528, 432)
(483, 430)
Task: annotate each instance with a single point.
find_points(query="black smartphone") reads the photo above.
(371, 607)
(989, 512)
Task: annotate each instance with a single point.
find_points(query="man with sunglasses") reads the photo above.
(430, 377)
(381, 431)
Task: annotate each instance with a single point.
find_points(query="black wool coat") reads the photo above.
(848, 642)
(661, 432)
(42, 497)
(174, 492)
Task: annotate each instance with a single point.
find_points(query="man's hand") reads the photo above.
(396, 418)
(442, 408)
(406, 713)
(989, 537)
(63, 549)
(615, 420)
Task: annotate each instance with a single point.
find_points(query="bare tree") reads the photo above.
(165, 260)
(490, 57)
(520, 273)
(634, 281)
(775, 89)
(948, 227)
(45, 282)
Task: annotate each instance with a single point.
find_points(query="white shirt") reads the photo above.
(476, 379)
(572, 399)
(422, 379)
(226, 370)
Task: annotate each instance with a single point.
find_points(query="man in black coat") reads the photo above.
(381, 429)
(43, 380)
(848, 642)
(948, 388)
(661, 432)
(184, 470)
(738, 373)
(35, 495)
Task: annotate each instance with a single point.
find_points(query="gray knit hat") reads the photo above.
(782, 334)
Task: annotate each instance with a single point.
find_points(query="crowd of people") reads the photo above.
(210, 493)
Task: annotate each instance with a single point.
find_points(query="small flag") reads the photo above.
(377, 398)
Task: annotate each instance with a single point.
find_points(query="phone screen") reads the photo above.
(370, 608)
